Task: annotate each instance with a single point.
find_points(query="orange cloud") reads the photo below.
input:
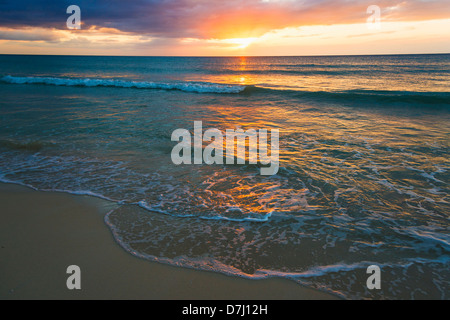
(250, 20)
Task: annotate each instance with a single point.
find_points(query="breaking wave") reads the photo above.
(198, 87)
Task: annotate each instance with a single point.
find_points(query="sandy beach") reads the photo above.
(42, 233)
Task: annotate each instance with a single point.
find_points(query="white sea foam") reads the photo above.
(198, 87)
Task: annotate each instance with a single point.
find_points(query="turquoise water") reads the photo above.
(364, 169)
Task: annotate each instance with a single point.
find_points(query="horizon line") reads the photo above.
(225, 56)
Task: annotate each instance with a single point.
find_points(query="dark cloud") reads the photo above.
(206, 18)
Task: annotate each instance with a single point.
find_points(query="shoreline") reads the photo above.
(44, 232)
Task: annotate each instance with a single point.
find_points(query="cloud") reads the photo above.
(207, 19)
(40, 34)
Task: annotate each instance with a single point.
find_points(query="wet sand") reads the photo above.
(42, 233)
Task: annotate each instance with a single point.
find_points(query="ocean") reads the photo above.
(364, 161)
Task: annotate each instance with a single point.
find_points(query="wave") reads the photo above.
(264, 218)
(141, 204)
(330, 277)
(338, 71)
(197, 87)
(359, 96)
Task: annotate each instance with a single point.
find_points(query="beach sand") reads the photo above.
(42, 233)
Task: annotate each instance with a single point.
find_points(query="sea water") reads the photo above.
(364, 161)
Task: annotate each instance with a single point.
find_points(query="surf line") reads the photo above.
(235, 140)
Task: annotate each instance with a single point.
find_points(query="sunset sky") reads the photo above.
(224, 28)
